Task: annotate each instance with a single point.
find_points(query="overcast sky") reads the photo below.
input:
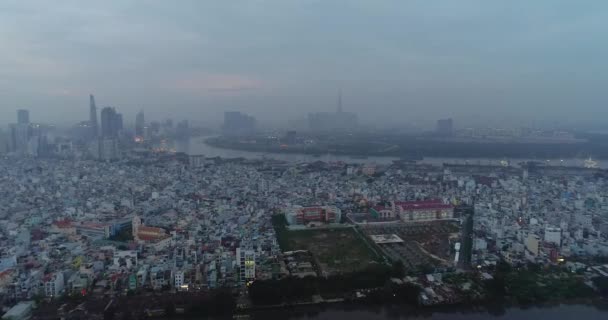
(511, 62)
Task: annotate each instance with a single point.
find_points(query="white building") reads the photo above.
(142, 275)
(553, 235)
(178, 280)
(125, 258)
(246, 262)
(22, 310)
(54, 285)
(532, 244)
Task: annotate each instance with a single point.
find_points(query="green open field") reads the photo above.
(335, 250)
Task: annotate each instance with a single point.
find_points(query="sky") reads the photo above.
(402, 62)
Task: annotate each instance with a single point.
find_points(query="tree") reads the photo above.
(503, 267)
(496, 287)
(601, 283)
(170, 310)
(127, 315)
(397, 269)
(534, 267)
(108, 314)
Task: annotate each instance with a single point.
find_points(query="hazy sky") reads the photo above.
(396, 61)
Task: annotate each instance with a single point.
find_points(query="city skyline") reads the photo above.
(325, 159)
(473, 61)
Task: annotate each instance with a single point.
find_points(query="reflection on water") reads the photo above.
(558, 312)
(352, 312)
(198, 147)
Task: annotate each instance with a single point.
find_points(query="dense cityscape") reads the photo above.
(111, 222)
(290, 160)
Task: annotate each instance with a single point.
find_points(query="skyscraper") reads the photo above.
(237, 123)
(20, 132)
(106, 147)
(93, 116)
(20, 135)
(140, 123)
(109, 123)
(119, 124)
(4, 143)
(23, 116)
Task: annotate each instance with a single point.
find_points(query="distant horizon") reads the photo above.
(397, 63)
(216, 121)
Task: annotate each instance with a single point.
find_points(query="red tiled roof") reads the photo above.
(63, 223)
(150, 229)
(5, 273)
(149, 237)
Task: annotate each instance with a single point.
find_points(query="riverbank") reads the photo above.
(199, 148)
(556, 311)
(416, 148)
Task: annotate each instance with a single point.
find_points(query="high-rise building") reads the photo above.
(109, 123)
(140, 123)
(119, 123)
(3, 142)
(12, 137)
(237, 123)
(445, 127)
(155, 127)
(23, 116)
(94, 125)
(246, 262)
(20, 133)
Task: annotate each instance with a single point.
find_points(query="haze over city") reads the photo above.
(397, 62)
(318, 159)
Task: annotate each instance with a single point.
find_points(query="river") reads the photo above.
(559, 312)
(196, 146)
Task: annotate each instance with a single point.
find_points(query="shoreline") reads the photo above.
(363, 156)
(601, 303)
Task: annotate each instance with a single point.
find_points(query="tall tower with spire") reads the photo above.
(93, 116)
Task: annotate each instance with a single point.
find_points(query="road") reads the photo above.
(466, 245)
